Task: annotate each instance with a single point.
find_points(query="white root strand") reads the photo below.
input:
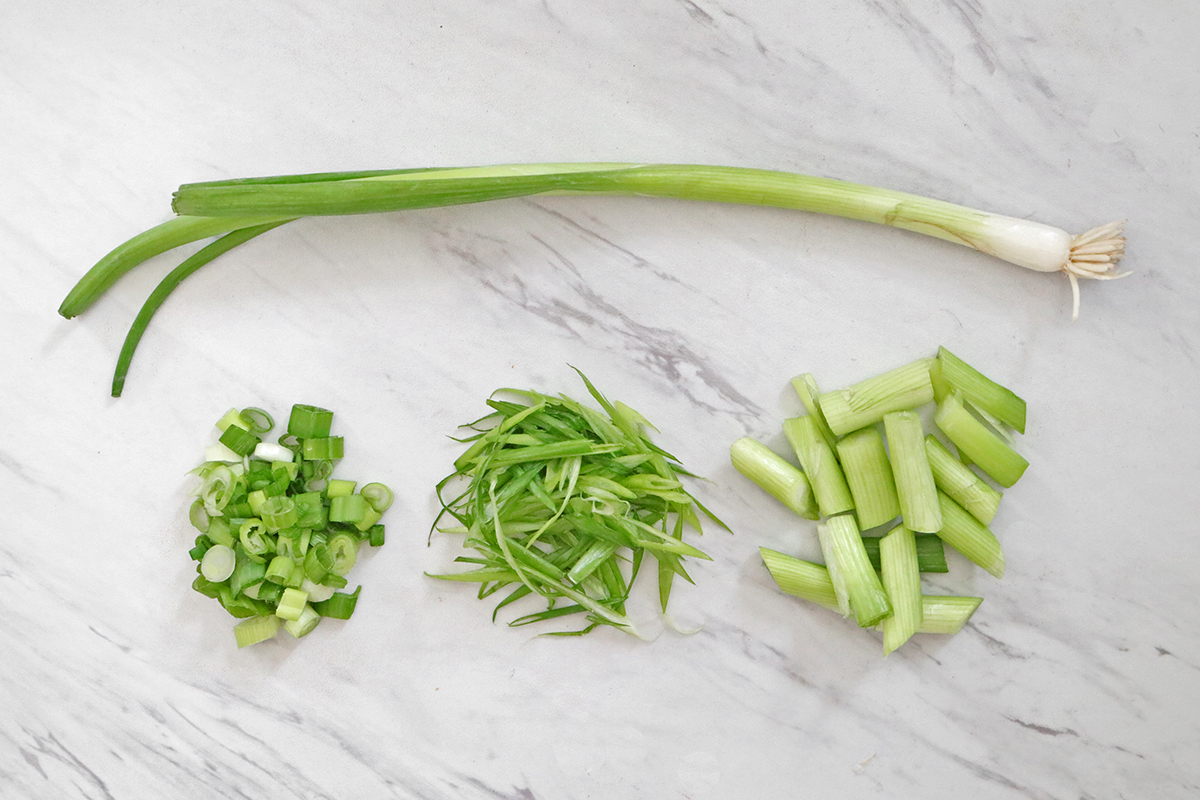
(1094, 254)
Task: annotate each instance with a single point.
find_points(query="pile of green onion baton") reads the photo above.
(562, 502)
(278, 533)
(851, 481)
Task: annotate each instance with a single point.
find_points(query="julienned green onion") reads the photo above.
(977, 442)
(866, 402)
(239, 210)
(869, 475)
(268, 544)
(957, 480)
(945, 614)
(910, 465)
(563, 503)
(774, 475)
(820, 464)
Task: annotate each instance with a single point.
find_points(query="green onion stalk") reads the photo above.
(255, 205)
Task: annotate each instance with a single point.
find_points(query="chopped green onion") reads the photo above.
(985, 449)
(277, 453)
(957, 480)
(378, 495)
(280, 570)
(199, 517)
(339, 605)
(329, 448)
(910, 465)
(239, 440)
(347, 508)
(279, 512)
(819, 464)
(218, 563)
(343, 550)
(255, 630)
(248, 571)
(232, 417)
(339, 488)
(376, 536)
(303, 624)
(774, 475)
(970, 537)
(981, 391)
(946, 613)
(869, 476)
(309, 422)
(866, 402)
(292, 604)
(257, 420)
(902, 582)
(843, 548)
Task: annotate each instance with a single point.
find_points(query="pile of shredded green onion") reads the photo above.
(866, 463)
(232, 212)
(562, 502)
(278, 533)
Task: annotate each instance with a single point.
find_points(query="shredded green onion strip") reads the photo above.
(558, 501)
(270, 550)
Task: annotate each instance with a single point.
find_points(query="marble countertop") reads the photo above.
(1079, 676)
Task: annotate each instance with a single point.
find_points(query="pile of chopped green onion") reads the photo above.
(866, 461)
(278, 533)
(563, 502)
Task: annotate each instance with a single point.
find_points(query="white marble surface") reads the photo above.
(1078, 678)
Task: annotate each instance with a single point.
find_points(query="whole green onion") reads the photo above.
(239, 210)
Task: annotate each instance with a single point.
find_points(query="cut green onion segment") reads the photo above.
(973, 438)
(970, 537)
(869, 475)
(867, 402)
(902, 582)
(981, 391)
(957, 480)
(269, 548)
(774, 475)
(843, 548)
(820, 464)
(239, 210)
(915, 487)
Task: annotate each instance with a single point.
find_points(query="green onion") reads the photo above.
(303, 625)
(242, 209)
(869, 476)
(985, 449)
(255, 630)
(347, 508)
(910, 466)
(902, 582)
(931, 553)
(819, 464)
(844, 552)
(866, 402)
(340, 488)
(343, 550)
(379, 496)
(969, 536)
(218, 563)
(957, 480)
(329, 448)
(562, 503)
(806, 387)
(340, 605)
(774, 475)
(239, 440)
(310, 422)
(292, 604)
(981, 391)
(944, 614)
